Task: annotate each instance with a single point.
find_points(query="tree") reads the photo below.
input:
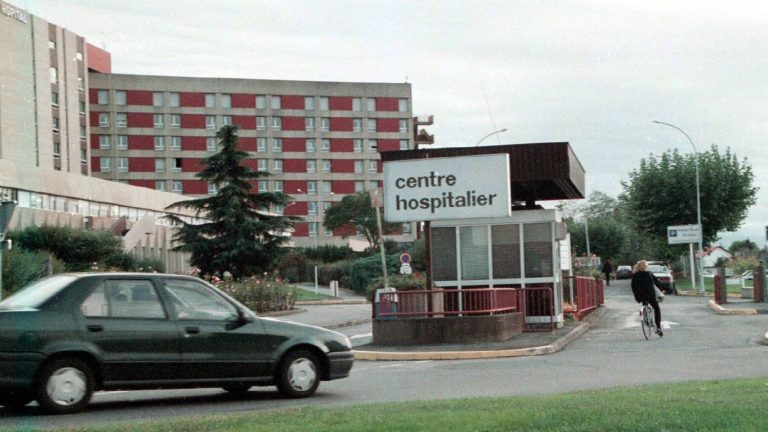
(608, 238)
(744, 248)
(662, 192)
(356, 211)
(238, 233)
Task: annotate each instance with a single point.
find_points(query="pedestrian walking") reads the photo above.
(607, 270)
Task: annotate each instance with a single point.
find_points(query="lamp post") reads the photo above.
(492, 133)
(698, 204)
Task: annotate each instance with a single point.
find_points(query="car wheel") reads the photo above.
(65, 386)
(237, 389)
(15, 400)
(299, 374)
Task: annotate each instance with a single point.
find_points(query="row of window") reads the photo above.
(276, 123)
(121, 143)
(225, 101)
(105, 165)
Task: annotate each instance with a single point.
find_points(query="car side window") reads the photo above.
(195, 301)
(124, 299)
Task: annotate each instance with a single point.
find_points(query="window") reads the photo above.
(505, 251)
(373, 184)
(104, 142)
(404, 145)
(327, 205)
(309, 103)
(51, 44)
(311, 146)
(326, 164)
(174, 100)
(79, 56)
(402, 105)
(124, 299)
(371, 125)
(309, 123)
(358, 167)
(261, 123)
(121, 120)
(325, 124)
(210, 122)
(83, 156)
(323, 103)
(538, 250)
(54, 75)
(370, 104)
(407, 228)
(212, 188)
(261, 102)
(57, 149)
(177, 186)
(160, 165)
(278, 165)
(263, 185)
(279, 208)
(473, 241)
(227, 120)
(277, 145)
(277, 123)
(80, 107)
(261, 145)
(159, 143)
(226, 101)
(121, 98)
(80, 84)
(160, 185)
(373, 144)
(311, 187)
(312, 207)
(175, 121)
(326, 185)
(358, 145)
(325, 145)
(403, 125)
(311, 166)
(278, 185)
(54, 99)
(176, 143)
(106, 164)
(103, 97)
(359, 186)
(157, 99)
(158, 120)
(177, 163)
(373, 166)
(357, 125)
(261, 165)
(357, 104)
(444, 263)
(103, 119)
(56, 124)
(122, 142)
(312, 226)
(275, 102)
(210, 100)
(211, 145)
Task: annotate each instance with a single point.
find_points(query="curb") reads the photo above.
(331, 302)
(347, 324)
(723, 311)
(485, 354)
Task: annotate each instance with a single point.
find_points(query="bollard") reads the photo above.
(720, 290)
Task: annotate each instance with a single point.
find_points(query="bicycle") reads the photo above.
(647, 321)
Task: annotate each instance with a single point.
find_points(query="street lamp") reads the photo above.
(492, 133)
(698, 204)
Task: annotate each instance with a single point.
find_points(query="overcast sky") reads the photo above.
(592, 73)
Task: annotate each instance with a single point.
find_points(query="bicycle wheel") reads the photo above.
(646, 322)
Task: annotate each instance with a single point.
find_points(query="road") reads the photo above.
(697, 344)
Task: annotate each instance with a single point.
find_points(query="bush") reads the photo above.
(364, 270)
(79, 249)
(411, 282)
(21, 267)
(293, 267)
(330, 272)
(265, 294)
(329, 253)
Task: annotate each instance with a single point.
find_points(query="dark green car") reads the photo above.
(66, 336)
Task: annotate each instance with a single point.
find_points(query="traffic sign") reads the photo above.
(680, 234)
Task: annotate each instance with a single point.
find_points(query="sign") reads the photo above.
(680, 234)
(405, 258)
(447, 188)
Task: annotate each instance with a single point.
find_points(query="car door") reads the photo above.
(127, 323)
(215, 343)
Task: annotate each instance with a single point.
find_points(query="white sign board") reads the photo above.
(447, 188)
(680, 234)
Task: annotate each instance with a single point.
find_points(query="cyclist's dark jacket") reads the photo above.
(642, 286)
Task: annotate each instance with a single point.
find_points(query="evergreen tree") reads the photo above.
(356, 211)
(235, 230)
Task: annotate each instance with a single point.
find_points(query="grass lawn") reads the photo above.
(306, 295)
(709, 285)
(737, 405)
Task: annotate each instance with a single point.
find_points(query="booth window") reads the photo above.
(505, 246)
(538, 250)
(444, 263)
(474, 252)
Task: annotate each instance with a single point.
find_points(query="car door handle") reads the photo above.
(192, 330)
(95, 328)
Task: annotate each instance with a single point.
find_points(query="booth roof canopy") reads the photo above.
(537, 172)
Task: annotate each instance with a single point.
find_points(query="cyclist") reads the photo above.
(643, 283)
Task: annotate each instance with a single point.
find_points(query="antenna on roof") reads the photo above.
(490, 113)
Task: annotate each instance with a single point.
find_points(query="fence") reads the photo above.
(585, 295)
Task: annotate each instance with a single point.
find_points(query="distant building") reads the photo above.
(713, 254)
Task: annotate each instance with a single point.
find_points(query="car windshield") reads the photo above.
(32, 296)
(658, 269)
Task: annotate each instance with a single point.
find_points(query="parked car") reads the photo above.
(664, 275)
(66, 336)
(749, 275)
(623, 272)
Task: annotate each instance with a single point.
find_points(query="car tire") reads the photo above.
(15, 400)
(64, 386)
(237, 389)
(298, 375)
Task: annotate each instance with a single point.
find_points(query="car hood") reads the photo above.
(334, 339)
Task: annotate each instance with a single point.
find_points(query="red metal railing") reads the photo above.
(538, 306)
(589, 293)
(447, 302)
